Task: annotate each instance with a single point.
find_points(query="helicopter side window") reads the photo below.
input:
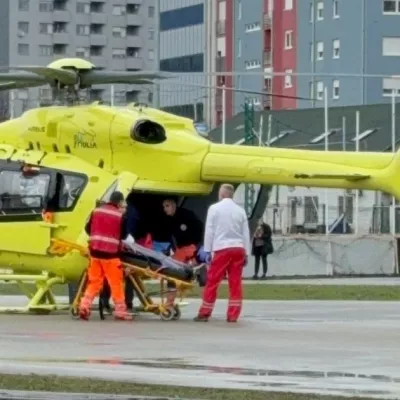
(21, 192)
(70, 189)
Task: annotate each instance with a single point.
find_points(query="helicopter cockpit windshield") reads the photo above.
(18, 191)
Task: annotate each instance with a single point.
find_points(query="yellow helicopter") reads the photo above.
(57, 161)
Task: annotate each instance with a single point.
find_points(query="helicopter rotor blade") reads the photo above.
(66, 77)
(98, 77)
(19, 85)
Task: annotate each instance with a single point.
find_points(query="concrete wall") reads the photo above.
(339, 255)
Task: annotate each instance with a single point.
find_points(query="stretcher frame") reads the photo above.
(137, 275)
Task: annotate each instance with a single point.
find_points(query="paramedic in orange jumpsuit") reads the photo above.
(227, 240)
(106, 230)
(186, 232)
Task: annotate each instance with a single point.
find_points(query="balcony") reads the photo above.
(98, 18)
(133, 19)
(134, 41)
(267, 58)
(134, 63)
(267, 21)
(220, 64)
(98, 40)
(220, 28)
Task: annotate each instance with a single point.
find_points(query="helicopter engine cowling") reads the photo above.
(146, 131)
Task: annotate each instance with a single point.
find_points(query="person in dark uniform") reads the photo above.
(186, 234)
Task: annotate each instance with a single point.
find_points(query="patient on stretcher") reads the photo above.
(143, 257)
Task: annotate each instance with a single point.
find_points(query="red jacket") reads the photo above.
(105, 227)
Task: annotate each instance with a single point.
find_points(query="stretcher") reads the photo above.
(141, 264)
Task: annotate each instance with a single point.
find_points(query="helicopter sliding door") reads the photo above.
(22, 198)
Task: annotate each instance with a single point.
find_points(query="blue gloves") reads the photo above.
(203, 256)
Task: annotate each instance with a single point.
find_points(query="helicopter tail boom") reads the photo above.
(309, 168)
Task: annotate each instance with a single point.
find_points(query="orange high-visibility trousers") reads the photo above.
(111, 270)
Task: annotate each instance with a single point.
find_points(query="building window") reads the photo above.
(182, 17)
(239, 48)
(151, 55)
(391, 86)
(336, 9)
(239, 13)
(118, 32)
(288, 79)
(82, 52)
(311, 210)
(288, 39)
(23, 49)
(252, 64)
(320, 90)
(45, 6)
(45, 51)
(193, 63)
(23, 5)
(346, 207)
(45, 29)
(391, 46)
(151, 12)
(151, 34)
(391, 6)
(320, 11)
(255, 26)
(336, 89)
(82, 8)
(336, 48)
(23, 27)
(320, 50)
(118, 53)
(119, 10)
(288, 4)
(82, 30)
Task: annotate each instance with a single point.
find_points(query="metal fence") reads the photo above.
(311, 220)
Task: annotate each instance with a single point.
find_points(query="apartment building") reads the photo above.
(333, 37)
(183, 49)
(110, 33)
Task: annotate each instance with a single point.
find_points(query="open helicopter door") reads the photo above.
(23, 192)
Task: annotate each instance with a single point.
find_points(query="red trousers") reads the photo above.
(230, 261)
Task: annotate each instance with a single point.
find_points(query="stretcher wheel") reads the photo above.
(74, 313)
(167, 315)
(177, 312)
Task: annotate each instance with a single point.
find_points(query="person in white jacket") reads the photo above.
(227, 241)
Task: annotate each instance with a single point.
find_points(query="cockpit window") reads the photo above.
(70, 189)
(18, 191)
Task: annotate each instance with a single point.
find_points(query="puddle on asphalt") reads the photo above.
(180, 363)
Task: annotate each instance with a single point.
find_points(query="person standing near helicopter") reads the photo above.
(106, 229)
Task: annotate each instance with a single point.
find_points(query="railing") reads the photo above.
(221, 28)
(267, 20)
(220, 64)
(267, 57)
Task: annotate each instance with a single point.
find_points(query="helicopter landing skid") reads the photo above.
(41, 301)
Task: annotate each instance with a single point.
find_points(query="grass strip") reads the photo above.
(270, 292)
(84, 385)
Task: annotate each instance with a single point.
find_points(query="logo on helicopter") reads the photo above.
(84, 141)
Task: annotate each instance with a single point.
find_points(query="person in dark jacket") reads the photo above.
(261, 247)
(186, 234)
